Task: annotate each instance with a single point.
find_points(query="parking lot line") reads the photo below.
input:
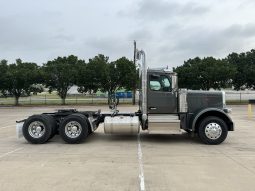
(10, 152)
(140, 160)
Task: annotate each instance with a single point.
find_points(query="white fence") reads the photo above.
(231, 97)
(240, 96)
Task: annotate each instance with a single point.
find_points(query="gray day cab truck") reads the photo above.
(163, 108)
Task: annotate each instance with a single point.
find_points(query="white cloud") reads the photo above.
(170, 31)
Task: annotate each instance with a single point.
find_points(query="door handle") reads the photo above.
(152, 108)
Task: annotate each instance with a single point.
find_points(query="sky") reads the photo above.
(169, 31)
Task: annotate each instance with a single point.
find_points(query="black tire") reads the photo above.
(211, 138)
(80, 121)
(53, 125)
(47, 127)
(87, 121)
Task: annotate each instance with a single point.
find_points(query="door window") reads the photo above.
(160, 83)
(155, 85)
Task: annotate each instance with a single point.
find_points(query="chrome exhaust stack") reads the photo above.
(140, 55)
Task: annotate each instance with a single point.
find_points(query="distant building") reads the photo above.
(73, 90)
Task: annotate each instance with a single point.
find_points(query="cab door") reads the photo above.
(160, 97)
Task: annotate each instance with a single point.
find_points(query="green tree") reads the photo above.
(21, 78)
(250, 70)
(60, 74)
(128, 73)
(245, 69)
(205, 73)
(3, 73)
(119, 74)
(112, 81)
(91, 77)
(187, 74)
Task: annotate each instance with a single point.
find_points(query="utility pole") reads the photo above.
(134, 88)
(134, 51)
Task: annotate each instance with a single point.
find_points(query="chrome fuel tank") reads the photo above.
(121, 125)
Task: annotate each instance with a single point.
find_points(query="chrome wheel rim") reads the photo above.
(213, 131)
(36, 129)
(73, 129)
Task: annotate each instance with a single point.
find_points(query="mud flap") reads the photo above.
(19, 126)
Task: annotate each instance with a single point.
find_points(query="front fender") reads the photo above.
(213, 112)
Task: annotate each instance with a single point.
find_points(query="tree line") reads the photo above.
(236, 70)
(60, 74)
(24, 78)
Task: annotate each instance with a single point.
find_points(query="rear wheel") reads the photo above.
(37, 129)
(74, 128)
(212, 130)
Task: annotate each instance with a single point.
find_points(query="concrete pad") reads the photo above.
(105, 162)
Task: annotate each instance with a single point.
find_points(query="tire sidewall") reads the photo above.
(205, 122)
(48, 129)
(84, 129)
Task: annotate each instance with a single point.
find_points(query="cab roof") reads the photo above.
(161, 70)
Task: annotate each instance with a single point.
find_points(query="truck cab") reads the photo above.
(171, 109)
(166, 108)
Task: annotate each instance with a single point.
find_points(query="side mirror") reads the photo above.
(174, 83)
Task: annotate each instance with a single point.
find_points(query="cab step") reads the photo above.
(164, 124)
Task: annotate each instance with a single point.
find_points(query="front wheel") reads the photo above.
(212, 130)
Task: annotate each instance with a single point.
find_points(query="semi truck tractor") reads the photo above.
(163, 108)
